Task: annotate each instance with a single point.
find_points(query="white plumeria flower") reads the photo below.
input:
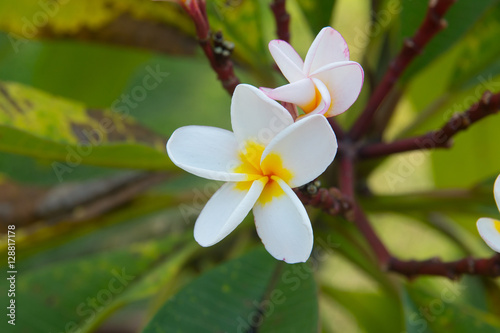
(488, 228)
(325, 83)
(266, 156)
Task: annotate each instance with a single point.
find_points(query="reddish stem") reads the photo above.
(452, 270)
(331, 200)
(432, 24)
(282, 19)
(219, 58)
(488, 104)
(346, 173)
(376, 244)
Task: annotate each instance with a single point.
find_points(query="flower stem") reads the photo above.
(219, 57)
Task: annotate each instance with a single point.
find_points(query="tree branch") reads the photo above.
(219, 52)
(376, 244)
(488, 104)
(282, 19)
(453, 270)
(331, 200)
(432, 24)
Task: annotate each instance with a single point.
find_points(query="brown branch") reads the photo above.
(331, 200)
(219, 52)
(282, 19)
(346, 173)
(432, 24)
(488, 104)
(453, 270)
(361, 221)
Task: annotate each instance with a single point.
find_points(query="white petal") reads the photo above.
(496, 191)
(302, 93)
(207, 152)
(225, 211)
(329, 46)
(287, 59)
(489, 229)
(284, 227)
(256, 117)
(304, 149)
(344, 81)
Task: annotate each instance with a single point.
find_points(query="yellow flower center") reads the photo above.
(269, 171)
(497, 225)
(313, 104)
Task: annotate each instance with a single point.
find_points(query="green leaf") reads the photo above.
(414, 323)
(438, 304)
(478, 56)
(235, 19)
(70, 69)
(474, 151)
(370, 309)
(318, 13)
(36, 124)
(253, 291)
(460, 17)
(82, 291)
(26, 19)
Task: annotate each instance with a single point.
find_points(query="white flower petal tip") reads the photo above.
(328, 47)
(206, 152)
(284, 226)
(344, 81)
(287, 59)
(489, 229)
(496, 191)
(311, 139)
(225, 211)
(327, 64)
(255, 116)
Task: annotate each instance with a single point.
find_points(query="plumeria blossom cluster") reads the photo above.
(489, 228)
(268, 153)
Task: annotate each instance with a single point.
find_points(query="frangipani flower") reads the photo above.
(488, 228)
(262, 160)
(325, 83)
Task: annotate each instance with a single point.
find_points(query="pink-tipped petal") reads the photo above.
(207, 152)
(344, 81)
(255, 116)
(328, 47)
(305, 149)
(489, 229)
(301, 93)
(284, 227)
(225, 211)
(287, 59)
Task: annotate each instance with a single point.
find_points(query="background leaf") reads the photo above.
(252, 291)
